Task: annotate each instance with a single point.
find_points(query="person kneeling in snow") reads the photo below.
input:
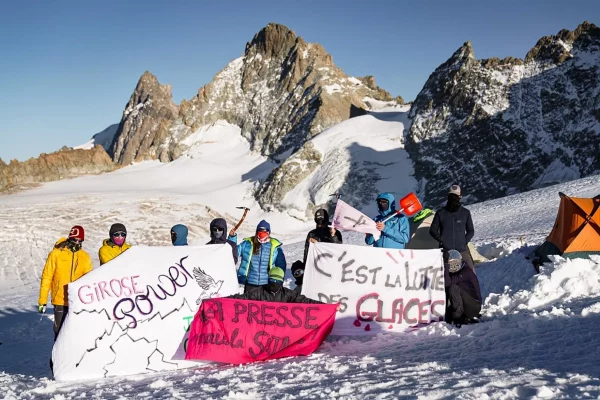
(462, 291)
(274, 291)
(115, 245)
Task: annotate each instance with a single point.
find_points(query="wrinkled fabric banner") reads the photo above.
(242, 331)
(349, 218)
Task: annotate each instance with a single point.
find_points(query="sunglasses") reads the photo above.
(76, 241)
(216, 229)
(298, 273)
(273, 280)
(121, 234)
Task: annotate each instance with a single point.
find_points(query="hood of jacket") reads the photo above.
(391, 200)
(182, 234)
(219, 223)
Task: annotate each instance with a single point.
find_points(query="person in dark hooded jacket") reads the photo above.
(395, 232)
(452, 227)
(298, 274)
(218, 235)
(274, 291)
(462, 291)
(322, 233)
(179, 234)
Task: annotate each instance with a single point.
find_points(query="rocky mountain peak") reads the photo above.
(499, 127)
(273, 41)
(281, 92)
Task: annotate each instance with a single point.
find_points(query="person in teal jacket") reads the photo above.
(258, 255)
(395, 232)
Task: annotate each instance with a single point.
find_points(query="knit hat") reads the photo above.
(276, 273)
(455, 189)
(77, 232)
(263, 226)
(117, 228)
(454, 261)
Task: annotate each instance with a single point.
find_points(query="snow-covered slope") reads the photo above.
(540, 338)
(104, 138)
(359, 157)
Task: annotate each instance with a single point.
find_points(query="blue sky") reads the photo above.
(67, 68)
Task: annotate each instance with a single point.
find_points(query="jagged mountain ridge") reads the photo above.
(281, 92)
(499, 127)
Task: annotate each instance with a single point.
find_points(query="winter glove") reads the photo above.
(42, 309)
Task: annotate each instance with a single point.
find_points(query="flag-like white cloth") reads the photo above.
(349, 218)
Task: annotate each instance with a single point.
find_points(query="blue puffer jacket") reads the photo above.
(254, 268)
(396, 233)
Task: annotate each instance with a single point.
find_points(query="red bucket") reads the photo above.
(410, 204)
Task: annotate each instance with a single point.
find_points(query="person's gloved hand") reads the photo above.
(42, 309)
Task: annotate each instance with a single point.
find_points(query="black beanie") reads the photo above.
(117, 228)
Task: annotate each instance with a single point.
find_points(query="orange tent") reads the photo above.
(576, 232)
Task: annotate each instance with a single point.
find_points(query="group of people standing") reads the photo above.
(262, 262)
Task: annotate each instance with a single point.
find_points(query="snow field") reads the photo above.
(539, 338)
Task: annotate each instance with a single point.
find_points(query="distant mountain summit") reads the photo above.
(281, 92)
(498, 127)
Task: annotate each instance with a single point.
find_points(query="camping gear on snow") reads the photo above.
(576, 231)
(235, 228)
(409, 205)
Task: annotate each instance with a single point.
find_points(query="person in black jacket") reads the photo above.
(274, 291)
(452, 227)
(462, 291)
(218, 235)
(298, 274)
(322, 233)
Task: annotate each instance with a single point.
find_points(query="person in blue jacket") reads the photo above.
(179, 234)
(395, 232)
(258, 255)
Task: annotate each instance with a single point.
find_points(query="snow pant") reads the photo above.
(466, 256)
(250, 287)
(461, 305)
(60, 313)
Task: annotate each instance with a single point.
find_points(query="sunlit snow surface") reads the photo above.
(540, 338)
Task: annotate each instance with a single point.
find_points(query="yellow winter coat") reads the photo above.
(62, 267)
(109, 250)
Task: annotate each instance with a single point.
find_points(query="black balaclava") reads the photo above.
(274, 286)
(298, 267)
(321, 218)
(73, 246)
(453, 203)
(218, 237)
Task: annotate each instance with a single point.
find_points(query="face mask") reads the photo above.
(262, 236)
(320, 221)
(73, 245)
(383, 205)
(118, 240)
(173, 237)
(217, 234)
(454, 265)
(274, 286)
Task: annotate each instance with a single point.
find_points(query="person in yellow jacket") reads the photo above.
(115, 245)
(66, 263)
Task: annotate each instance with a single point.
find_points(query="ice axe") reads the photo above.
(409, 203)
(235, 228)
(337, 195)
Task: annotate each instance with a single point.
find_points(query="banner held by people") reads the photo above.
(379, 290)
(349, 218)
(131, 315)
(242, 331)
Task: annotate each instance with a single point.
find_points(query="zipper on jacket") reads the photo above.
(72, 262)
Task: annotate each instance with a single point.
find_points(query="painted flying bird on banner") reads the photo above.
(349, 218)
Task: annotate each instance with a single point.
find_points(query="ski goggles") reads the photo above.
(273, 280)
(298, 273)
(119, 234)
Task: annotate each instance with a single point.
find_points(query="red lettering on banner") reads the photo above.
(271, 330)
(399, 311)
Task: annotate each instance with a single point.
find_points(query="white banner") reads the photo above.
(132, 315)
(349, 218)
(380, 290)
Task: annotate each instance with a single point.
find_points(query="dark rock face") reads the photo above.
(281, 92)
(503, 126)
